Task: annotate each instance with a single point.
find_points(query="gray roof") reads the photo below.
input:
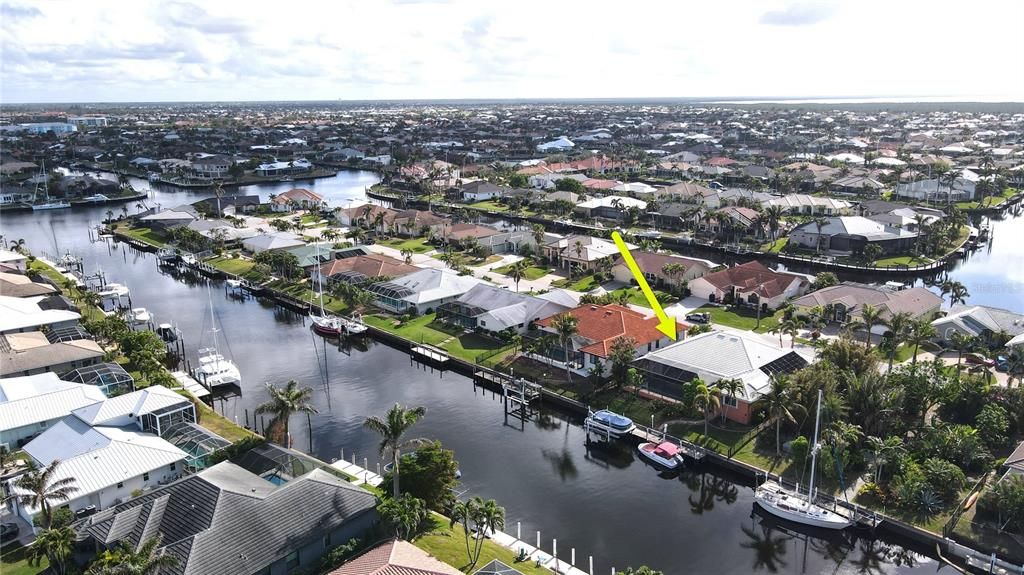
(916, 301)
(228, 521)
(511, 307)
(975, 319)
(855, 226)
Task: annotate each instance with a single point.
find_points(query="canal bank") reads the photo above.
(595, 497)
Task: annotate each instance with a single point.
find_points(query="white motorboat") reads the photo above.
(154, 177)
(665, 454)
(95, 199)
(114, 291)
(791, 504)
(141, 315)
(53, 205)
(609, 423)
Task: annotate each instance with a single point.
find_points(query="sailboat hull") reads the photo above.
(790, 506)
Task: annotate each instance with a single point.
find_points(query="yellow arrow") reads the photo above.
(666, 324)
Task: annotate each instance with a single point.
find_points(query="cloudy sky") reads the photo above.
(145, 50)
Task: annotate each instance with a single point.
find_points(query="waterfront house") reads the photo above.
(421, 292)
(851, 234)
(297, 198)
(846, 301)
(110, 378)
(170, 218)
(481, 190)
(610, 207)
(214, 167)
(720, 355)
(13, 260)
(411, 223)
(493, 309)
(230, 521)
(362, 215)
(271, 241)
(598, 326)
(935, 190)
(395, 557)
(652, 265)
(991, 325)
(360, 269)
(19, 314)
(312, 255)
(752, 283)
(229, 205)
(805, 205)
(581, 251)
(21, 286)
(467, 233)
(857, 185)
(30, 353)
(30, 405)
(284, 168)
(689, 193)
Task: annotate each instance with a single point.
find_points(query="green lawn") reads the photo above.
(531, 273)
(489, 205)
(236, 266)
(449, 545)
(774, 247)
(583, 284)
(418, 329)
(415, 245)
(903, 260)
(144, 235)
(988, 201)
(636, 297)
(88, 312)
(219, 424)
(729, 318)
(468, 346)
(13, 562)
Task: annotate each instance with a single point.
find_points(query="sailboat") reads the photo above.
(329, 324)
(46, 204)
(214, 369)
(794, 506)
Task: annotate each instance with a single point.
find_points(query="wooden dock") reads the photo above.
(191, 385)
(647, 434)
(430, 354)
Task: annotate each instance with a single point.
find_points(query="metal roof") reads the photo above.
(47, 406)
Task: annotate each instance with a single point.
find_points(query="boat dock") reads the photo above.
(429, 353)
(191, 385)
(647, 434)
(361, 474)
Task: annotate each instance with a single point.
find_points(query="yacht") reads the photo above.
(665, 454)
(328, 324)
(141, 315)
(791, 504)
(95, 199)
(609, 423)
(215, 369)
(46, 203)
(114, 291)
(51, 205)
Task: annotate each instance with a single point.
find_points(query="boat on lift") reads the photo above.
(609, 423)
(141, 315)
(791, 505)
(114, 291)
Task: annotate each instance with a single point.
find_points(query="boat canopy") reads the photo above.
(667, 449)
(613, 419)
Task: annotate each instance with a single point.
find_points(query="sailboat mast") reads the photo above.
(213, 320)
(320, 280)
(814, 448)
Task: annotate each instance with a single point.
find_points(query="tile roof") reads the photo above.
(653, 262)
(853, 296)
(395, 557)
(298, 195)
(601, 324)
(368, 266)
(752, 277)
(19, 286)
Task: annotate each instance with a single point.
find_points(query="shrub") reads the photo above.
(871, 494)
(993, 423)
(943, 478)
(799, 449)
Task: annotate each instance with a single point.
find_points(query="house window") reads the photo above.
(173, 465)
(145, 476)
(120, 484)
(42, 424)
(730, 401)
(291, 560)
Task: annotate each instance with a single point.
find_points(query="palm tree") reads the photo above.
(566, 326)
(392, 430)
(733, 387)
(772, 216)
(919, 331)
(489, 518)
(41, 488)
(819, 224)
(407, 256)
(705, 399)
(958, 294)
(962, 343)
(517, 271)
(870, 316)
(898, 324)
(150, 559)
(537, 230)
(284, 402)
(778, 403)
(789, 327)
(884, 452)
(356, 234)
(55, 545)
(673, 271)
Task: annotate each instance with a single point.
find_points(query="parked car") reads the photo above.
(9, 531)
(978, 359)
(701, 317)
(1002, 363)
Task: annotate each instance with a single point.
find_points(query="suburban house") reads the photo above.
(288, 525)
(32, 352)
(846, 302)
(718, 355)
(13, 260)
(214, 167)
(803, 204)
(751, 283)
(410, 223)
(353, 216)
(284, 168)
(271, 241)
(31, 405)
(984, 322)
(361, 269)
(228, 205)
(170, 218)
(297, 198)
(610, 207)
(422, 291)
(481, 190)
(494, 309)
(939, 191)
(582, 251)
(467, 233)
(103, 447)
(598, 326)
(395, 557)
(21, 286)
(857, 185)
(851, 234)
(689, 193)
(653, 265)
(312, 255)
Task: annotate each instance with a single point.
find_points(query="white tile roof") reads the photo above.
(122, 410)
(19, 313)
(15, 388)
(99, 457)
(46, 406)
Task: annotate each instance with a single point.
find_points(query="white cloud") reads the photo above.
(66, 50)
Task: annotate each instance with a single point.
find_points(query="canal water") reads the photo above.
(602, 501)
